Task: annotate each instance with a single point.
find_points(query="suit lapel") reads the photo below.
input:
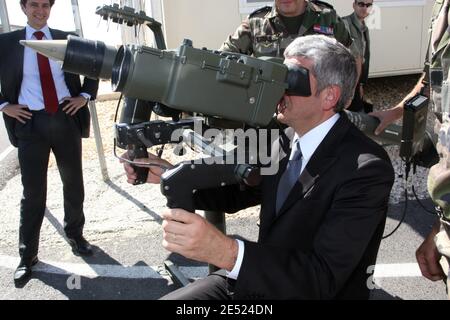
(57, 34)
(280, 150)
(322, 160)
(20, 51)
(18, 57)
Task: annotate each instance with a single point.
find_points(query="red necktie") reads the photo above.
(47, 83)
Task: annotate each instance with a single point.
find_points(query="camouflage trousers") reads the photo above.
(442, 240)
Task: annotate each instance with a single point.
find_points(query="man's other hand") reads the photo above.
(153, 163)
(18, 112)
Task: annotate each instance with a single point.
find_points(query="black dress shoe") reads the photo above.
(80, 246)
(23, 271)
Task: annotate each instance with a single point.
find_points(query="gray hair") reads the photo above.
(333, 63)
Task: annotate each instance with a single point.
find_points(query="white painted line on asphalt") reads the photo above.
(397, 270)
(98, 270)
(5, 153)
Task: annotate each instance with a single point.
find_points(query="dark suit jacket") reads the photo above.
(11, 75)
(328, 231)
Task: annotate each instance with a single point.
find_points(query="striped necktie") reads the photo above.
(290, 175)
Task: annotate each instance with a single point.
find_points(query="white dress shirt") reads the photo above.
(31, 90)
(308, 144)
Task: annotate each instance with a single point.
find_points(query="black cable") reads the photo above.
(407, 170)
(117, 108)
(403, 215)
(421, 204)
(115, 120)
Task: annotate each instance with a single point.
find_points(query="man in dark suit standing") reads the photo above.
(322, 214)
(45, 110)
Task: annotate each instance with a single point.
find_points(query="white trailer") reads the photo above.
(398, 27)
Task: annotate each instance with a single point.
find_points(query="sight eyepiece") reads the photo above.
(121, 68)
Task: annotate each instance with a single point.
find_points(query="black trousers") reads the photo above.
(215, 286)
(43, 133)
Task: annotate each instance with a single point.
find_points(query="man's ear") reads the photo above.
(332, 94)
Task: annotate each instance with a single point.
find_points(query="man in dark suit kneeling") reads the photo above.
(322, 214)
(45, 110)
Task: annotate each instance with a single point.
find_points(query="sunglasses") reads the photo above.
(362, 4)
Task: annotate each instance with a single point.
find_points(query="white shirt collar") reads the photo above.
(313, 138)
(30, 32)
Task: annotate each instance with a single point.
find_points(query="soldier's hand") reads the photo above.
(428, 257)
(18, 112)
(153, 163)
(387, 117)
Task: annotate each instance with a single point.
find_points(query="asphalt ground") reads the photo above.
(123, 223)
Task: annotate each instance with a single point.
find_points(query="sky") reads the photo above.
(62, 18)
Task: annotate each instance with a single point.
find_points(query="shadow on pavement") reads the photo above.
(129, 197)
(101, 287)
(416, 217)
(380, 294)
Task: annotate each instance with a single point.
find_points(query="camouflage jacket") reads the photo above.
(263, 33)
(437, 75)
(437, 64)
(361, 39)
(434, 59)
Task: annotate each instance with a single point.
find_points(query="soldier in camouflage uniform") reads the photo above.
(359, 31)
(268, 31)
(436, 81)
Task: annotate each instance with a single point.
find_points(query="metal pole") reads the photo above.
(98, 141)
(4, 17)
(92, 106)
(77, 18)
